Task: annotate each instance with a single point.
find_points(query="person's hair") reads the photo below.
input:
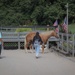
(37, 33)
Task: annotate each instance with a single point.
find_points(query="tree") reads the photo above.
(34, 12)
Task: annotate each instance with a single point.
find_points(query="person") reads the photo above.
(1, 42)
(36, 43)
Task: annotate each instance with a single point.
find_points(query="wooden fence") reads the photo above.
(65, 43)
(17, 38)
(10, 38)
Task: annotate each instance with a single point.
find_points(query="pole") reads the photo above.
(67, 26)
(67, 16)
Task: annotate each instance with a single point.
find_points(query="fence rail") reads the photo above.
(19, 37)
(12, 37)
(65, 43)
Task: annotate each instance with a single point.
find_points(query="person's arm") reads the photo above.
(33, 40)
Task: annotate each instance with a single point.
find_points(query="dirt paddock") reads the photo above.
(17, 62)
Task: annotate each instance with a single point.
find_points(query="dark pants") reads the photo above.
(0, 49)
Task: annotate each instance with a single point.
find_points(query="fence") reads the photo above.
(16, 39)
(33, 28)
(13, 39)
(65, 43)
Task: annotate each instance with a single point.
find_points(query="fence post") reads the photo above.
(67, 43)
(18, 40)
(47, 27)
(73, 46)
(62, 40)
(58, 41)
(3, 41)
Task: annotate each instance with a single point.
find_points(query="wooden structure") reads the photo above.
(65, 43)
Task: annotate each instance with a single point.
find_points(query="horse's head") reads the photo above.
(55, 34)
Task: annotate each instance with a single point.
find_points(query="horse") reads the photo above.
(44, 36)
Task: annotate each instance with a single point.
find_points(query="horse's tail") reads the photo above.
(25, 41)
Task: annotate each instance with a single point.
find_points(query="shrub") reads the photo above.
(23, 29)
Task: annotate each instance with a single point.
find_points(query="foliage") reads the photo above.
(23, 29)
(34, 12)
(72, 28)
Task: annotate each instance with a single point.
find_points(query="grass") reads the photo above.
(72, 28)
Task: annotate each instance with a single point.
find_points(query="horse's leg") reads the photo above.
(26, 46)
(31, 48)
(42, 48)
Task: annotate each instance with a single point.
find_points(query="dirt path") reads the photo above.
(17, 62)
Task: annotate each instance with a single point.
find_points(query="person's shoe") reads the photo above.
(36, 56)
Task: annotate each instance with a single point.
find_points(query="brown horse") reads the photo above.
(44, 36)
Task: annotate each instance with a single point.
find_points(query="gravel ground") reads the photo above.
(17, 62)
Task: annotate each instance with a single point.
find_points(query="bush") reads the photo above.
(23, 29)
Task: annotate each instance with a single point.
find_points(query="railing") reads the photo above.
(66, 42)
(13, 37)
(17, 38)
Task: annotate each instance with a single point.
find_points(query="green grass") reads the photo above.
(23, 29)
(72, 28)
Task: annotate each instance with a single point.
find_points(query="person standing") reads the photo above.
(1, 42)
(36, 43)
